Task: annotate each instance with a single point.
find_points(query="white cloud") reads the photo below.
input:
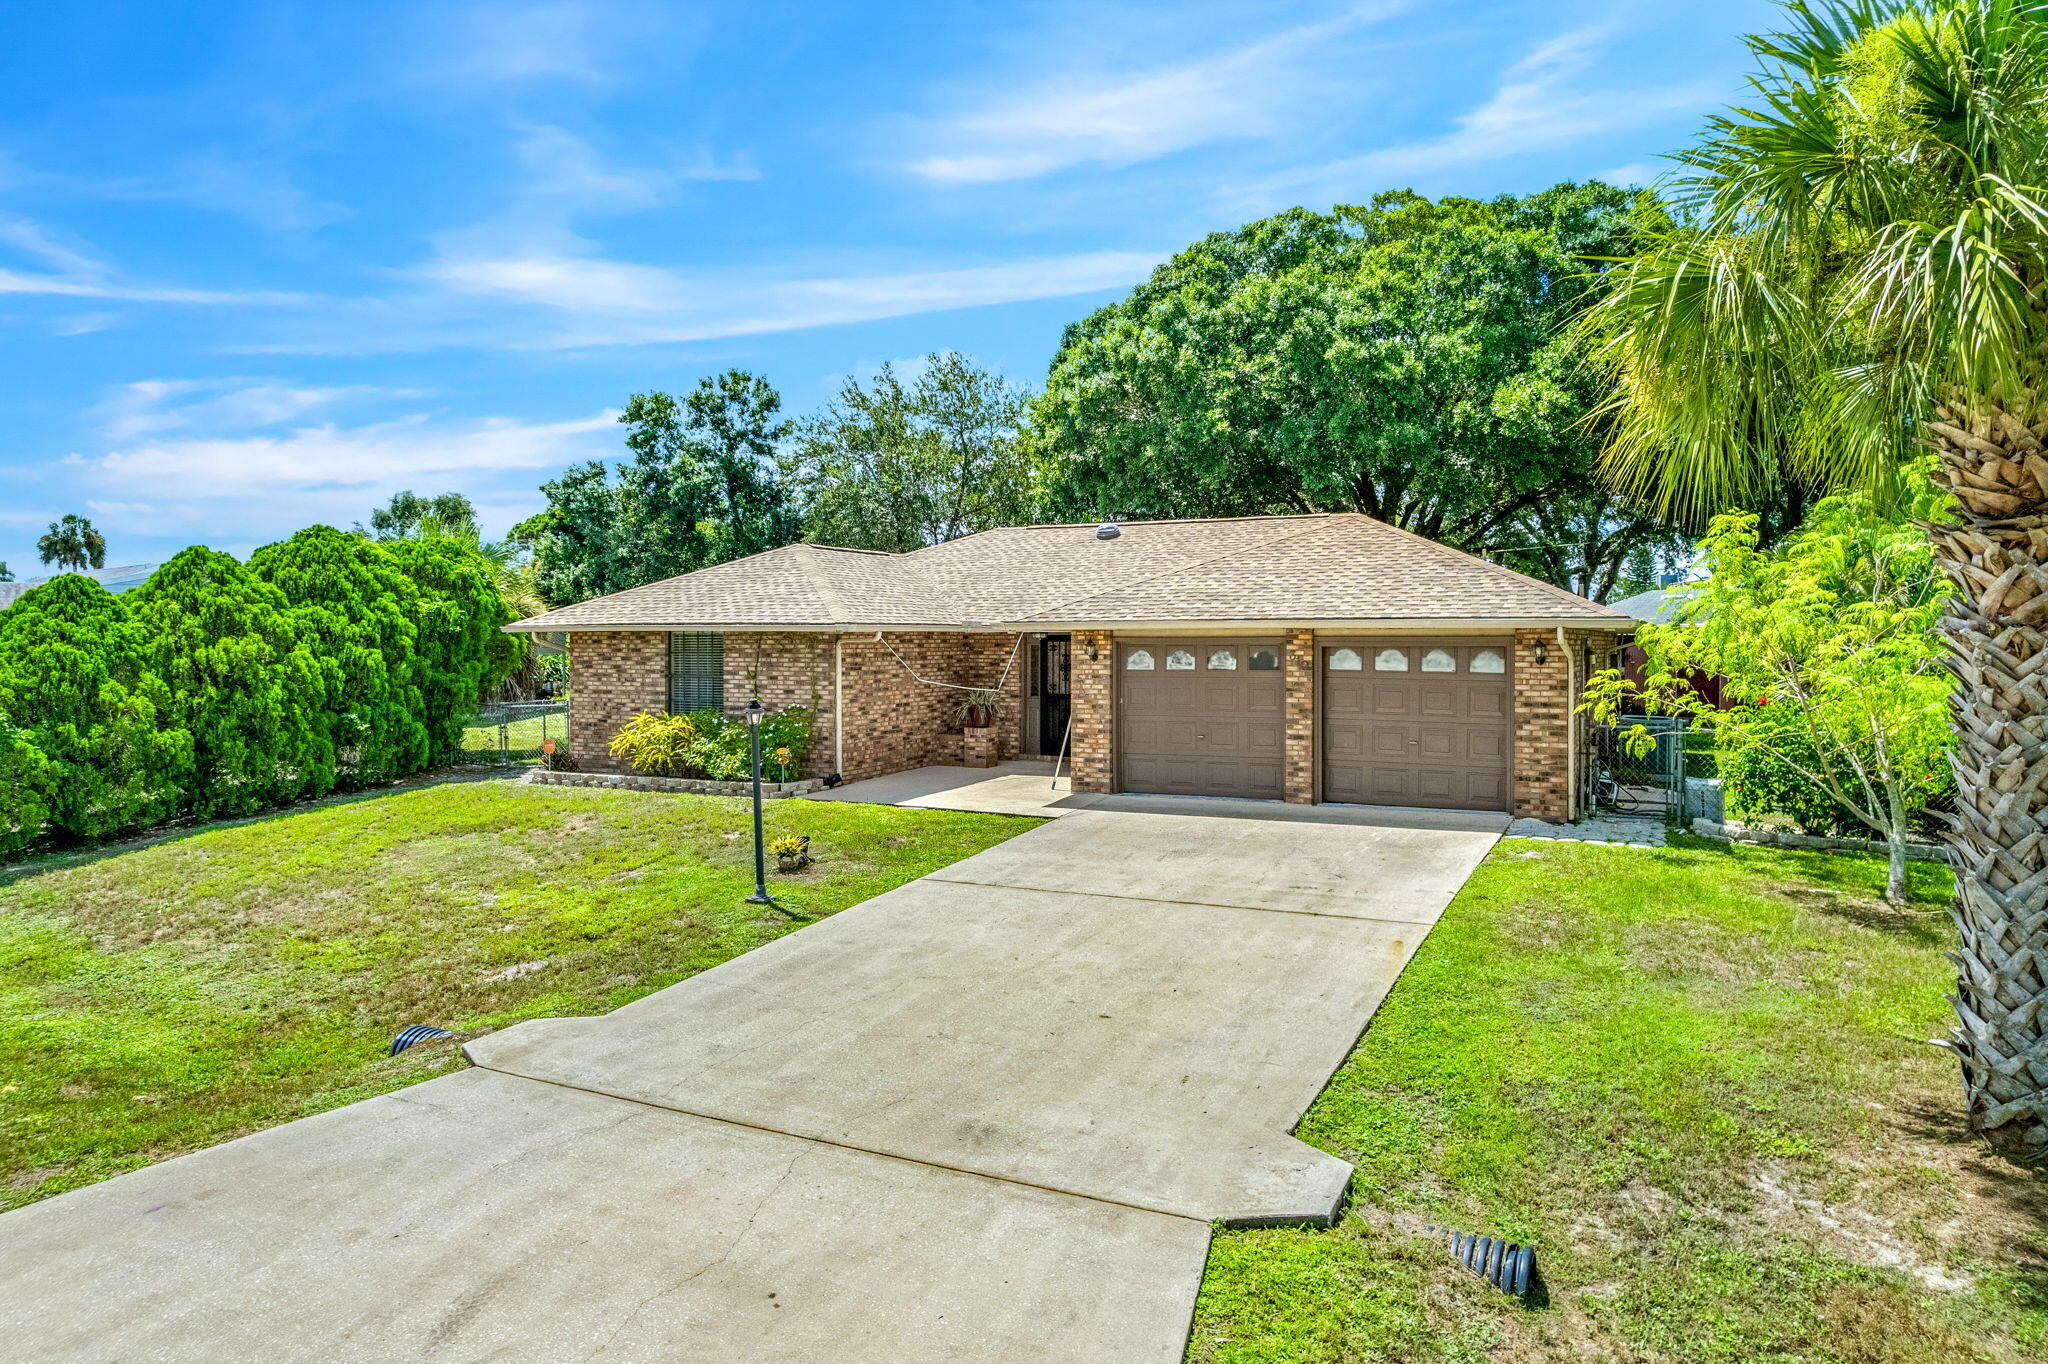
(154, 405)
(603, 302)
(561, 167)
(1547, 99)
(493, 45)
(1119, 118)
(69, 271)
(271, 484)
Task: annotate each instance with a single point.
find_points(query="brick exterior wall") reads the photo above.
(1093, 683)
(613, 676)
(894, 722)
(1547, 732)
(785, 670)
(1299, 661)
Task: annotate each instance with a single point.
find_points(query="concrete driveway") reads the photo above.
(990, 1114)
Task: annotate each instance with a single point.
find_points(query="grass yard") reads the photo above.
(1699, 1080)
(158, 998)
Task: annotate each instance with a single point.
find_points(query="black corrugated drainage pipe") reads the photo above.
(1506, 1265)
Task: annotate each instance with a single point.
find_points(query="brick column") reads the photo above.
(1093, 750)
(1300, 665)
(1543, 727)
(613, 676)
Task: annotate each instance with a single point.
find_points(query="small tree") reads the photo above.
(241, 681)
(74, 677)
(73, 544)
(5, 575)
(1831, 641)
(356, 609)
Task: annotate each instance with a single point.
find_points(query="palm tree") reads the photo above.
(1858, 278)
(73, 544)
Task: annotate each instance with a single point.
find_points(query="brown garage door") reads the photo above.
(1416, 722)
(1201, 717)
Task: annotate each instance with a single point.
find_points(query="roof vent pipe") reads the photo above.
(1108, 530)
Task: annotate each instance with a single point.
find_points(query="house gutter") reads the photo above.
(1571, 733)
(838, 709)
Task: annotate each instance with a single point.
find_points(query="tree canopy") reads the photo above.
(461, 651)
(1407, 359)
(72, 543)
(700, 489)
(407, 514)
(897, 466)
(237, 676)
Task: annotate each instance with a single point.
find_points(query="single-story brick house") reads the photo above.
(1303, 658)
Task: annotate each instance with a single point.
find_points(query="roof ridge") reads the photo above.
(1108, 520)
(1125, 586)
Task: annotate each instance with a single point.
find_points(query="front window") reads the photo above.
(696, 672)
(1180, 661)
(1265, 661)
(1345, 661)
(1439, 661)
(1138, 661)
(1390, 661)
(1223, 660)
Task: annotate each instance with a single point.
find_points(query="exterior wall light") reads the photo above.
(1542, 653)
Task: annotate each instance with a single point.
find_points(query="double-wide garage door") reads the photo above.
(1402, 722)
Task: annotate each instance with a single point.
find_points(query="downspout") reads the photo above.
(838, 711)
(1571, 732)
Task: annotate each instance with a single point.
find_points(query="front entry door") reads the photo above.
(1201, 717)
(1055, 693)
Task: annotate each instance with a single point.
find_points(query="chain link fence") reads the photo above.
(514, 733)
(1651, 783)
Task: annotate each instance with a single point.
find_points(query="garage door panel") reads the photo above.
(1433, 734)
(1214, 727)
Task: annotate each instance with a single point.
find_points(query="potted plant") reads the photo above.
(792, 852)
(978, 708)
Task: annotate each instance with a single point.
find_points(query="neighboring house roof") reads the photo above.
(1658, 605)
(1330, 568)
(115, 580)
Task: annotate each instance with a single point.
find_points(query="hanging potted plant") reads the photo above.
(978, 708)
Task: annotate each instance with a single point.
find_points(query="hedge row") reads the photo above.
(219, 688)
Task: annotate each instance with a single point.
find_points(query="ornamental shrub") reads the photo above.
(355, 609)
(461, 651)
(24, 776)
(241, 682)
(73, 675)
(656, 744)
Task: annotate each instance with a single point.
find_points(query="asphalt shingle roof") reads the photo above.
(1330, 567)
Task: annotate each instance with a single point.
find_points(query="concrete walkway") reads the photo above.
(990, 1114)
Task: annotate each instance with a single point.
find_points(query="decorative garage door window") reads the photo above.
(1346, 661)
(1180, 661)
(1390, 661)
(1439, 661)
(1138, 661)
(1223, 660)
(696, 672)
(1488, 661)
(1265, 661)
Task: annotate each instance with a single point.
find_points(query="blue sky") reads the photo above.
(263, 265)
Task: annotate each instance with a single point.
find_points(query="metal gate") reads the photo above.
(1637, 767)
(514, 733)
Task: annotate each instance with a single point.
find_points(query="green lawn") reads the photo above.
(1699, 1080)
(159, 998)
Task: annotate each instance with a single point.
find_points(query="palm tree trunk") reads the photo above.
(1995, 464)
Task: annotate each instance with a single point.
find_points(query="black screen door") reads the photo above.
(1053, 693)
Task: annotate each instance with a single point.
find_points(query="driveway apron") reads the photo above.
(989, 1114)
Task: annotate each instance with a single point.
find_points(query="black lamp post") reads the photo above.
(754, 713)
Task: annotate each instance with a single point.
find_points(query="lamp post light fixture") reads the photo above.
(755, 712)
